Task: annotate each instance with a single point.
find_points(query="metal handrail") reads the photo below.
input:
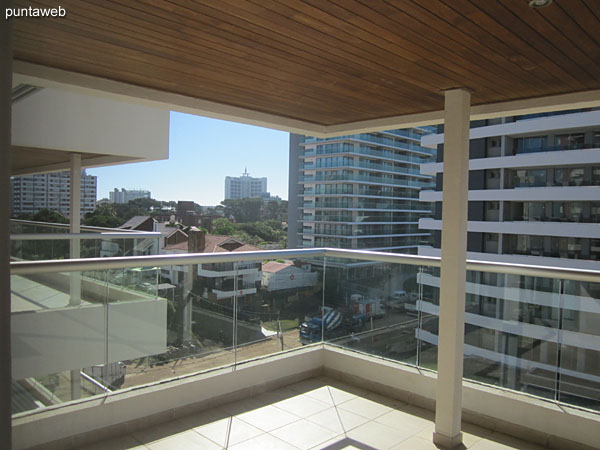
(76, 265)
(66, 225)
(80, 236)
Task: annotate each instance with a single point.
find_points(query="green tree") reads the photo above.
(244, 209)
(114, 215)
(45, 215)
(224, 227)
(146, 203)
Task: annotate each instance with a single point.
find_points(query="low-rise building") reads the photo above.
(277, 276)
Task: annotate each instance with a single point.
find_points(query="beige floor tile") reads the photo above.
(303, 434)
(203, 417)
(416, 443)
(158, 432)
(263, 442)
(302, 405)
(268, 418)
(365, 407)
(379, 436)
(242, 406)
(340, 443)
(472, 434)
(277, 395)
(307, 385)
(331, 395)
(499, 441)
(337, 420)
(229, 431)
(405, 421)
(387, 401)
(190, 440)
(121, 443)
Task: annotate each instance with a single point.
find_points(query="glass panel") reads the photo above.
(428, 317)
(177, 326)
(579, 370)
(276, 300)
(91, 246)
(372, 307)
(58, 333)
(511, 331)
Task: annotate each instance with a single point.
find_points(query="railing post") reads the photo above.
(75, 252)
(75, 225)
(453, 271)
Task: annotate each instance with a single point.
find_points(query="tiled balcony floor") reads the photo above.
(319, 413)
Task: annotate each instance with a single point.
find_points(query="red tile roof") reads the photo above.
(214, 243)
(275, 266)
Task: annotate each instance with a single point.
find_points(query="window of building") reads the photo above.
(576, 176)
(572, 141)
(596, 176)
(530, 144)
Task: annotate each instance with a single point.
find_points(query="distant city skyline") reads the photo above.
(202, 152)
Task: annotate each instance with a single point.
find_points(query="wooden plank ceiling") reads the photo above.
(324, 61)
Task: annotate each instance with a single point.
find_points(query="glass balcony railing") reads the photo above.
(366, 165)
(366, 178)
(92, 327)
(372, 151)
(553, 148)
(30, 241)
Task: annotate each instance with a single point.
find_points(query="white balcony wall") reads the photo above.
(113, 130)
(53, 340)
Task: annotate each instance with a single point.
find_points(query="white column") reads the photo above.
(75, 224)
(453, 272)
(75, 227)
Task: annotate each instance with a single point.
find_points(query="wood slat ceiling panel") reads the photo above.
(323, 61)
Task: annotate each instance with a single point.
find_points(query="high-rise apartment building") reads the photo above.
(359, 191)
(126, 195)
(534, 198)
(245, 187)
(30, 193)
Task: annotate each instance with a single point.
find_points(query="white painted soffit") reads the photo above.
(44, 76)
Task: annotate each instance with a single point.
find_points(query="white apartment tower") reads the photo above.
(359, 191)
(534, 198)
(245, 187)
(126, 195)
(30, 193)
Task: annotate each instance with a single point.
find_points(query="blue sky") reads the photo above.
(202, 152)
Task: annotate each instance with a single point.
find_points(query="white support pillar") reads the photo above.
(453, 272)
(75, 252)
(75, 224)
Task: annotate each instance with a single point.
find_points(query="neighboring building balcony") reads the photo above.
(371, 138)
(557, 159)
(379, 153)
(533, 228)
(410, 184)
(372, 167)
(548, 193)
(121, 361)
